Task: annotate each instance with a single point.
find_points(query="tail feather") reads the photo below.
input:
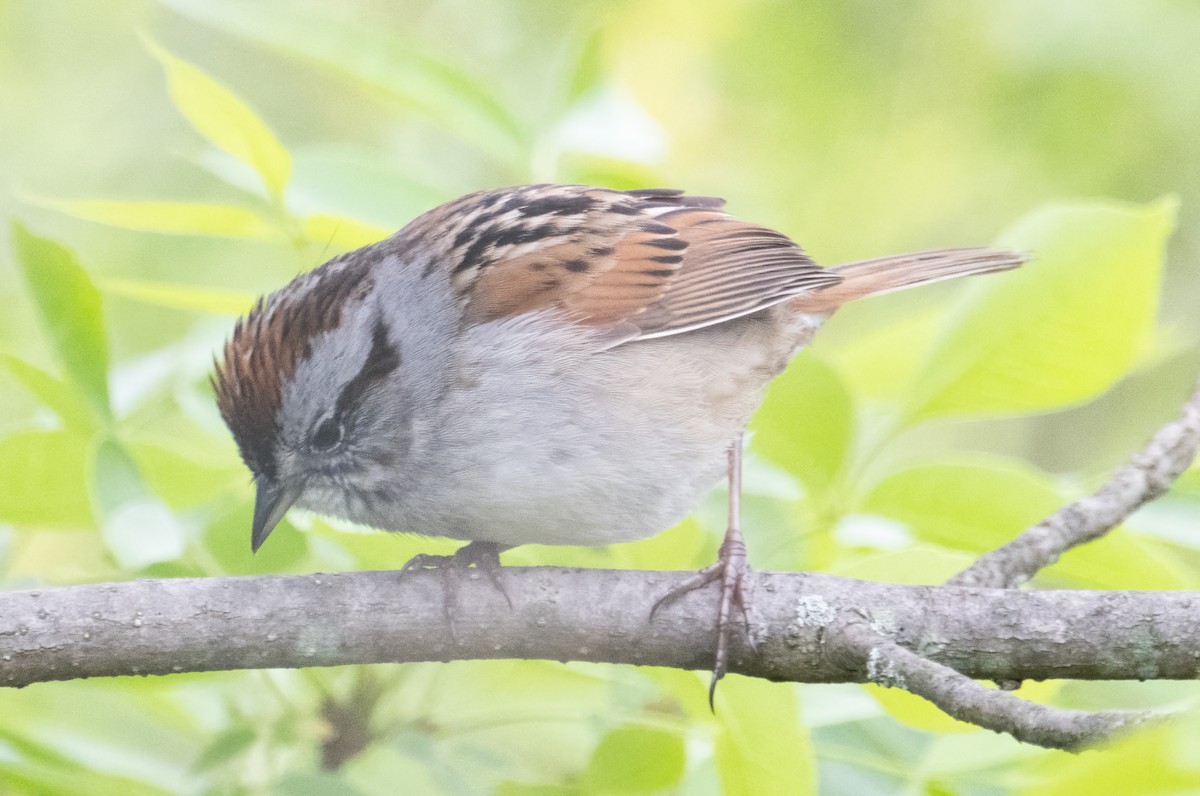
(888, 274)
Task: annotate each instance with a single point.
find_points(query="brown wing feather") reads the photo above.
(655, 261)
(730, 268)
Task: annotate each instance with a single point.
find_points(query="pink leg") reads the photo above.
(730, 571)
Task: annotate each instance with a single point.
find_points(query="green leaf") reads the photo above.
(217, 301)
(398, 68)
(683, 546)
(588, 168)
(635, 759)
(115, 477)
(762, 747)
(341, 233)
(1062, 329)
(68, 306)
(58, 396)
(589, 71)
(325, 783)
(121, 736)
(921, 714)
(376, 770)
(171, 218)
(916, 711)
(44, 478)
(974, 504)
(138, 528)
(232, 742)
(228, 541)
(510, 788)
(351, 181)
(917, 564)
(1121, 560)
(1159, 759)
(518, 710)
(977, 504)
(184, 479)
(806, 422)
(224, 119)
(880, 363)
(30, 765)
(961, 762)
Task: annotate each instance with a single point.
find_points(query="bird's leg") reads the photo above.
(484, 556)
(730, 571)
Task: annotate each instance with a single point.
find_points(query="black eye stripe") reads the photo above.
(382, 359)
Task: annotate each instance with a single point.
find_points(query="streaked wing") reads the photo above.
(653, 262)
(728, 268)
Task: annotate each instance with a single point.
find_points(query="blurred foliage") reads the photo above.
(164, 162)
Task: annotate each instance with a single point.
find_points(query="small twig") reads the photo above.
(1148, 475)
(890, 665)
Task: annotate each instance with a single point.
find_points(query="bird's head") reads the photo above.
(300, 389)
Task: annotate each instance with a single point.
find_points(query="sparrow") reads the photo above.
(542, 364)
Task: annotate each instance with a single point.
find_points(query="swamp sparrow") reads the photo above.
(550, 364)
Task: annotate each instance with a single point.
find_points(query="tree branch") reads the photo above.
(1148, 475)
(799, 622)
(892, 666)
(806, 627)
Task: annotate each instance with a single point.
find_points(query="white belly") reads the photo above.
(588, 447)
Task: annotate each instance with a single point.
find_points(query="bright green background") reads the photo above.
(166, 162)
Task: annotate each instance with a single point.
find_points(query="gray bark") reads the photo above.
(164, 626)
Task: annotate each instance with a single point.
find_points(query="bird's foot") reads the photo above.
(484, 556)
(730, 571)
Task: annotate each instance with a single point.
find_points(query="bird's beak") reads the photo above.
(270, 504)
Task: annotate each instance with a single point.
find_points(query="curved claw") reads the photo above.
(696, 581)
(730, 571)
(482, 555)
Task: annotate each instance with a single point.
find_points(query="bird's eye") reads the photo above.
(327, 435)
